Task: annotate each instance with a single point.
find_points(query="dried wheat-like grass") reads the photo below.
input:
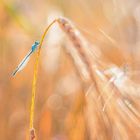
(75, 38)
(77, 41)
(100, 93)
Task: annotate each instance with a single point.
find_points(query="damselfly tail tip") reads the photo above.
(14, 73)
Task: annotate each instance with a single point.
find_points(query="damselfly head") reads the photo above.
(37, 42)
(35, 45)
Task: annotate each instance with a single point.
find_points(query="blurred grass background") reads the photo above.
(111, 25)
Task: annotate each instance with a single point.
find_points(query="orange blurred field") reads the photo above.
(69, 104)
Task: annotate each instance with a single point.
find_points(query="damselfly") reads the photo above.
(26, 58)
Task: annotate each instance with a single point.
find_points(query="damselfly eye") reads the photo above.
(35, 45)
(37, 42)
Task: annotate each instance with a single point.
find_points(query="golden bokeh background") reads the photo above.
(113, 26)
